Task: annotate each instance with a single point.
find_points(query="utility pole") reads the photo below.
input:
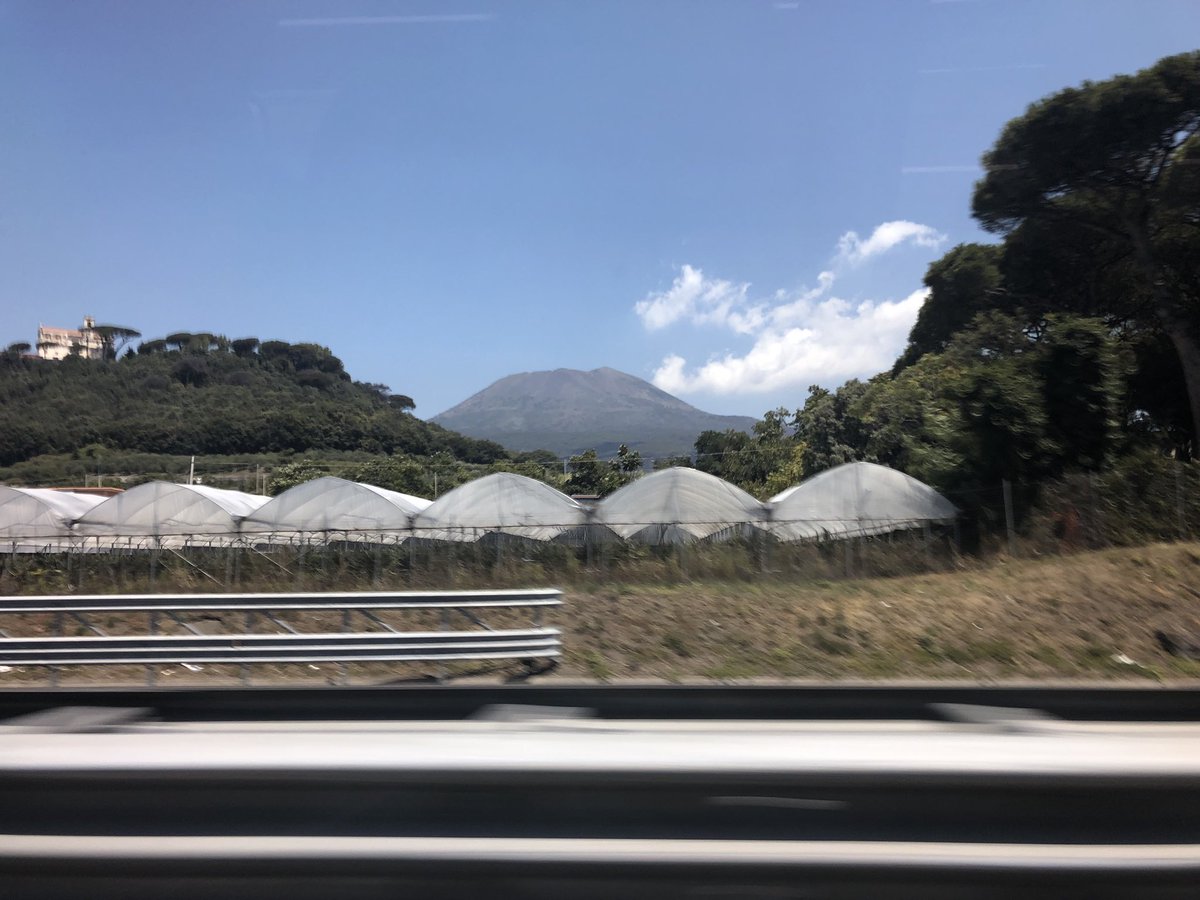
(192, 471)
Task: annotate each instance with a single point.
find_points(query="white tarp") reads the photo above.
(180, 513)
(350, 510)
(39, 519)
(679, 505)
(856, 499)
(500, 503)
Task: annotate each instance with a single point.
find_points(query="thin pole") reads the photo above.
(1179, 509)
(1008, 518)
(1097, 532)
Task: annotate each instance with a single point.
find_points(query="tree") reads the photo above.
(1003, 401)
(747, 460)
(830, 427)
(397, 473)
(789, 472)
(1082, 374)
(201, 342)
(590, 475)
(178, 340)
(720, 453)
(274, 349)
(113, 339)
(627, 465)
(962, 284)
(191, 371)
(291, 474)
(551, 473)
(1115, 158)
(244, 347)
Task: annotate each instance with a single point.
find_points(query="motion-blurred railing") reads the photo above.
(192, 617)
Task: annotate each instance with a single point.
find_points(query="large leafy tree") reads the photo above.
(114, 338)
(748, 460)
(962, 284)
(1002, 401)
(591, 475)
(831, 428)
(1115, 160)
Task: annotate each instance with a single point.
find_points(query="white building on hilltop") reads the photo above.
(59, 343)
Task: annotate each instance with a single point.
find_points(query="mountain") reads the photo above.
(567, 411)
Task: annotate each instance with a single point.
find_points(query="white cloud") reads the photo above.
(800, 337)
(837, 340)
(853, 250)
(700, 300)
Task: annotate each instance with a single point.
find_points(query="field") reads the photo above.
(719, 616)
(1089, 615)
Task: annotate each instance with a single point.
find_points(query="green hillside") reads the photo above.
(203, 394)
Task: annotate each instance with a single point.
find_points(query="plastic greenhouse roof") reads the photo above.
(161, 507)
(335, 504)
(41, 512)
(856, 499)
(503, 503)
(676, 504)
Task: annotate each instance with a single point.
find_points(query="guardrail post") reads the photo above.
(245, 669)
(342, 670)
(443, 671)
(58, 632)
(151, 671)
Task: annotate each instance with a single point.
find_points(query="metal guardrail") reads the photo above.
(381, 642)
(324, 600)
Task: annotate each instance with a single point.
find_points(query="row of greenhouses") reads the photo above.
(672, 506)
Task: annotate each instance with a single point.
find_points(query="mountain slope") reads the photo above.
(567, 410)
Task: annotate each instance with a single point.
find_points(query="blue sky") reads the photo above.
(735, 199)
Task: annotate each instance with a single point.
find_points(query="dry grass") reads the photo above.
(720, 616)
(1076, 616)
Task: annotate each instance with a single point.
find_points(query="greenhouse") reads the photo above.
(672, 506)
(35, 520)
(331, 507)
(500, 503)
(160, 513)
(678, 506)
(853, 500)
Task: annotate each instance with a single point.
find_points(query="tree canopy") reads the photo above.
(1114, 160)
(204, 397)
